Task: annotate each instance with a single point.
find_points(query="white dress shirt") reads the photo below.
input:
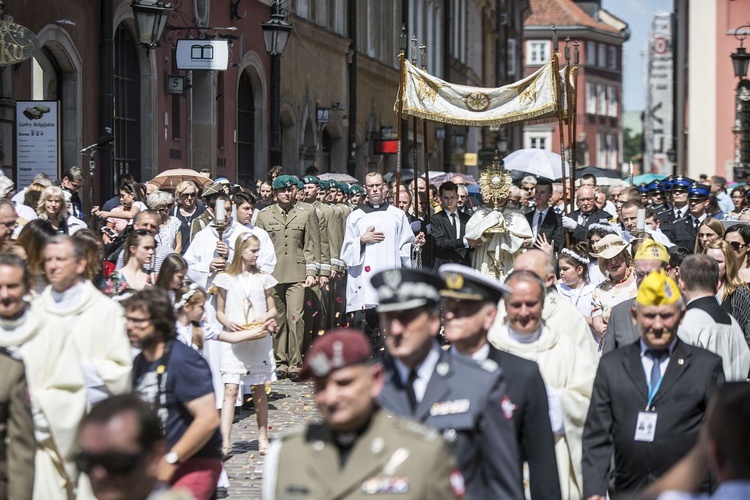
(424, 371)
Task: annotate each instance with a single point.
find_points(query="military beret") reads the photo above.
(284, 181)
(466, 283)
(681, 182)
(356, 189)
(405, 288)
(698, 191)
(655, 186)
(310, 179)
(343, 187)
(334, 350)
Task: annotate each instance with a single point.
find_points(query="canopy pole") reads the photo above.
(560, 126)
(573, 120)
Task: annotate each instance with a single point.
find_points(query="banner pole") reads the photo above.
(574, 115)
(401, 87)
(425, 148)
(414, 147)
(560, 126)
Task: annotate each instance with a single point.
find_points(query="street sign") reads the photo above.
(209, 55)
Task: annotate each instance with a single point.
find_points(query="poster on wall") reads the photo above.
(37, 140)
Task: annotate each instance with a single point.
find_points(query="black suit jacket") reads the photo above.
(447, 247)
(551, 228)
(683, 232)
(483, 441)
(528, 399)
(621, 392)
(598, 216)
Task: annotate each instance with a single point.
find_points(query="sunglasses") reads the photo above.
(736, 245)
(113, 463)
(187, 195)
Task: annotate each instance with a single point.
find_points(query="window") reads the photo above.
(612, 151)
(602, 149)
(590, 98)
(590, 55)
(536, 52)
(613, 102)
(538, 139)
(612, 59)
(127, 94)
(602, 101)
(510, 57)
(245, 131)
(602, 59)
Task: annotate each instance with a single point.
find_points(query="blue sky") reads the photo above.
(638, 14)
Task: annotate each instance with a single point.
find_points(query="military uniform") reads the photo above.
(337, 304)
(316, 312)
(392, 457)
(464, 402)
(296, 238)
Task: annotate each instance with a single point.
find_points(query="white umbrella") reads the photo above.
(536, 162)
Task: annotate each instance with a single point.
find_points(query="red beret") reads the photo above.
(336, 349)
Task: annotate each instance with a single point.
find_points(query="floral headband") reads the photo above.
(574, 255)
(187, 296)
(603, 227)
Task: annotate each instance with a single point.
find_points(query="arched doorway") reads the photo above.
(127, 100)
(245, 131)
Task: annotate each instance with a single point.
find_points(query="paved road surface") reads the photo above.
(289, 405)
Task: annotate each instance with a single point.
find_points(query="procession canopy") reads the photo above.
(532, 99)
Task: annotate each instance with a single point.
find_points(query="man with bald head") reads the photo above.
(559, 314)
(578, 222)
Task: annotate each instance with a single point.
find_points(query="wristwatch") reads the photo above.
(171, 458)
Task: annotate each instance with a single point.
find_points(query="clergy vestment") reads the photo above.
(92, 361)
(364, 261)
(497, 253)
(709, 326)
(568, 375)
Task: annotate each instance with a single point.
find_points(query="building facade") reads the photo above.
(598, 134)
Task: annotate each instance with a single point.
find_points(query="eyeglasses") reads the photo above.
(137, 321)
(187, 195)
(113, 462)
(11, 224)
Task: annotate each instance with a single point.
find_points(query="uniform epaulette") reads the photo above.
(415, 428)
(269, 207)
(489, 365)
(290, 432)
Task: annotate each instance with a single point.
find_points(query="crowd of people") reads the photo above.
(484, 347)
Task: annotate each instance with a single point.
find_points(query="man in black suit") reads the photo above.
(578, 222)
(649, 398)
(449, 229)
(470, 308)
(451, 394)
(543, 219)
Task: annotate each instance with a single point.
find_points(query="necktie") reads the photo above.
(539, 218)
(696, 222)
(455, 224)
(656, 356)
(410, 389)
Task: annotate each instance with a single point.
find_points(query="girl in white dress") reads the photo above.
(574, 283)
(244, 301)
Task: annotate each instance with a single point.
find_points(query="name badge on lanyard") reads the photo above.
(645, 426)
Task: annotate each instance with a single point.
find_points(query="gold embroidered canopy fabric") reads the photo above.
(530, 99)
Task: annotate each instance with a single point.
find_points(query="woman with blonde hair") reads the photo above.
(53, 208)
(616, 263)
(708, 231)
(186, 209)
(733, 293)
(169, 228)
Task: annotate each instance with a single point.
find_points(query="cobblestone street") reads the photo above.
(289, 405)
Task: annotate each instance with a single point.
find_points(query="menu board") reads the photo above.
(37, 140)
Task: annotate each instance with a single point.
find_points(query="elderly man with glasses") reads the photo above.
(578, 222)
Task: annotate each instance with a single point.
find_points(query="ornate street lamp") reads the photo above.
(275, 36)
(150, 19)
